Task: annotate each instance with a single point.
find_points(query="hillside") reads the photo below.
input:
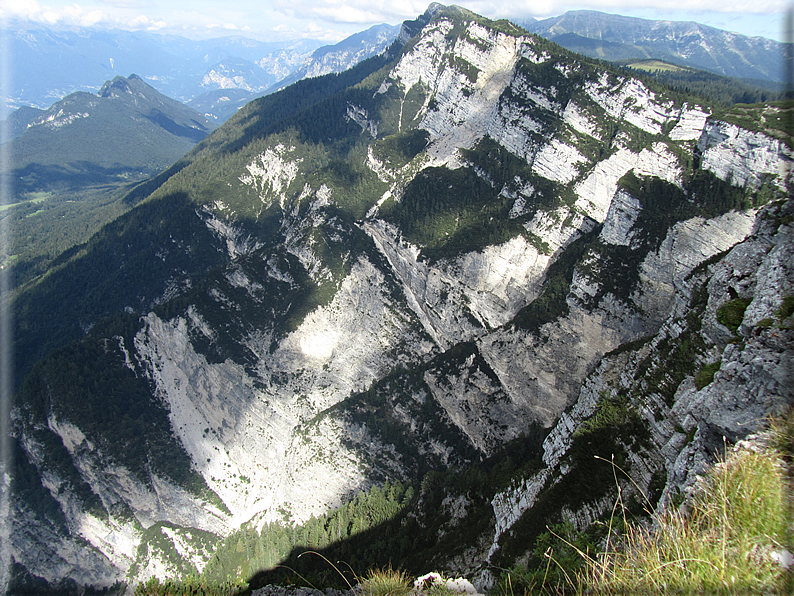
(715, 89)
(469, 265)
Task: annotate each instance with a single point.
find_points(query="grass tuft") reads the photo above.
(385, 582)
(727, 544)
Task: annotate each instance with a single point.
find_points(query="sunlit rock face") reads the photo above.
(267, 378)
(235, 424)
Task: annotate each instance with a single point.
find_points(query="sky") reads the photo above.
(332, 20)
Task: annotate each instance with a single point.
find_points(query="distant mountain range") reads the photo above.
(48, 64)
(345, 54)
(614, 38)
(219, 104)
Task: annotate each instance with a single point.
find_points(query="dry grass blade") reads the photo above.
(324, 558)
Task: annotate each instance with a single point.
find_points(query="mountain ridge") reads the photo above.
(438, 252)
(681, 42)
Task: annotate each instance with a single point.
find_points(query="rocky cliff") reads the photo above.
(478, 237)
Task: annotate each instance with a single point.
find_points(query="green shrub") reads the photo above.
(706, 374)
(731, 313)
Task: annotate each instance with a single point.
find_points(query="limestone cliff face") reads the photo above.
(337, 314)
(681, 423)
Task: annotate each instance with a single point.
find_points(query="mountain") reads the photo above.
(221, 104)
(615, 37)
(473, 264)
(18, 121)
(126, 130)
(345, 54)
(70, 166)
(235, 73)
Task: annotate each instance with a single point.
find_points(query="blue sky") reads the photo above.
(332, 20)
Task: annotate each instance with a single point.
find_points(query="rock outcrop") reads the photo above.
(509, 237)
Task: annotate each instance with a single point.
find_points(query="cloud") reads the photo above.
(85, 18)
(143, 22)
(19, 8)
(351, 11)
(74, 15)
(119, 14)
(69, 15)
(127, 3)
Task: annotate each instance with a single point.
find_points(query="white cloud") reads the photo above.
(119, 14)
(74, 15)
(85, 18)
(24, 9)
(127, 3)
(351, 11)
(143, 22)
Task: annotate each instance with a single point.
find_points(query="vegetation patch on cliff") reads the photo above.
(735, 539)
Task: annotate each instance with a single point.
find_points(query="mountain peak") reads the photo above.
(411, 28)
(124, 85)
(433, 8)
(118, 86)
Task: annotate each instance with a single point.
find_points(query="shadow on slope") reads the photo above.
(75, 176)
(127, 265)
(395, 525)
